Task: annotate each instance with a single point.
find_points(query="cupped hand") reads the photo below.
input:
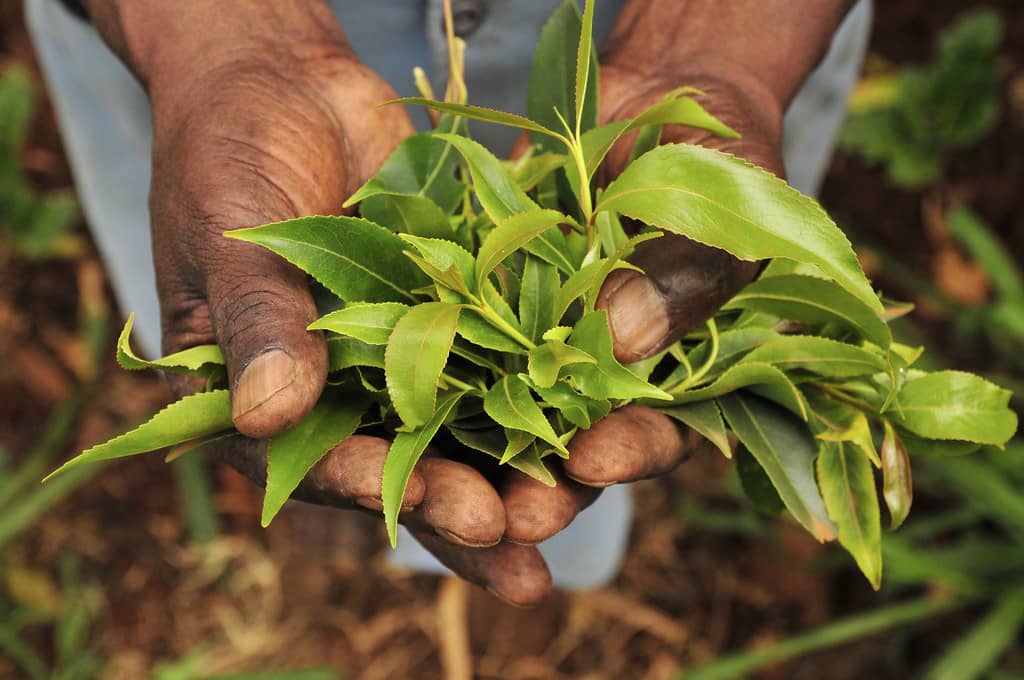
(262, 135)
(683, 284)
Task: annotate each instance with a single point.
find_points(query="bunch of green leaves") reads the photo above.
(466, 299)
(36, 225)
(908, 120)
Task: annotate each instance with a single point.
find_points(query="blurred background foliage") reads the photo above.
(138, 573)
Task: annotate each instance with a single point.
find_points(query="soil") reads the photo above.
(315, 590)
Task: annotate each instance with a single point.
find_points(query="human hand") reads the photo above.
(263, 130)
(684, 283)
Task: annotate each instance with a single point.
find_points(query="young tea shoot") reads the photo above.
(465, 301)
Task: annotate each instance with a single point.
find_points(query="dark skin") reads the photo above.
(262, 112)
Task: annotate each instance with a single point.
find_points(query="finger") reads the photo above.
(684, 284)
(349, 475)
(514, 573)
(260, 307)
(536, 512)
(631, 443)
(458, 504)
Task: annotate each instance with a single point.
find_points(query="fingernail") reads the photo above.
(504, 599)
(638, 317)
(265, 376)
(371, 503)
(459, 540)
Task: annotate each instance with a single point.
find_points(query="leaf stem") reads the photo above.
(694, 378)
(843, 396)
(505, 327)
(449, 381)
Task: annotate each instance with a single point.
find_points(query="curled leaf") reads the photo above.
(897, 485)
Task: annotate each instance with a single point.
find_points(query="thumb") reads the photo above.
(684, 284)
(260, 307)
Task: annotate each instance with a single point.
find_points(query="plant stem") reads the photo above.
(504, 326)
(841, 632)
(843, 396)
(449, 381)
(694, 378)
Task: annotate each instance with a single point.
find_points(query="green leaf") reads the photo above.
(786, 451)
(578, 284)
(722, 201)
(407, 214)
(974, 654)
(371, 323)
(955, 405)
(607, 379)
(749, 374)
(292, 454)
(704, 418)
(813, 300)
(480, 331)
(478, 113)
(492, 441)
(402, 457)
(919, 447)
(536, 303)
(510, 235)
(552, 246)
(553, 76)
(422, 165)
(585, 74)
(510, 404)
(547, 359)
(579, 410)
(197, 415)
(518, 441)
(675, 110)
(344, 352)
(897, 484)
(756, 484)
(840, 422)
(199, 360)
(531, 171)
(446, 262)
(355, 259)
(497, 191)
(587, 281)
(733, 345)
(848, 487)
(823, 356)
(415, 358)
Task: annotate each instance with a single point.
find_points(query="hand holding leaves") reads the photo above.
(499, 316)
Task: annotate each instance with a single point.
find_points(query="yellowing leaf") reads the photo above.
(897, 484)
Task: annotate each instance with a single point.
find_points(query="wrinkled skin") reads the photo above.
(282, 122)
